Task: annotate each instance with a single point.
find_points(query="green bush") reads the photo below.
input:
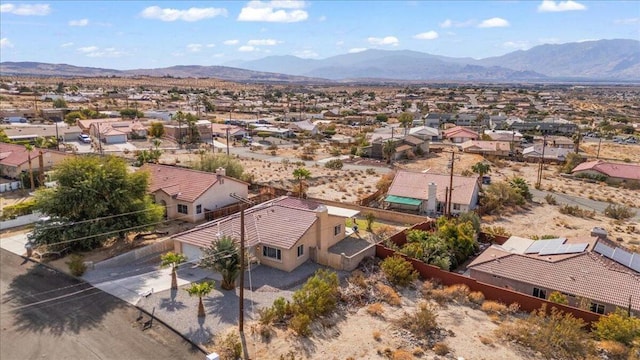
(24, 208)
(76, 265)
(318, 295)
(300, 324)
(558, 298)
(230, 347)
(398, 271)
(618, 326)
(619, 212)
(335, 164)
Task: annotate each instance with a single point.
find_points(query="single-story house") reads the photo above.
(561, 142)
(427, 193)
(282, 233)
(425, 133)
(459, 134)
(615, 172)
(274, 131)
(187, 194)
(14, 159)
(495, 148)
(590, 272)
(504, 135)
(304, 125)
(551, 154)
(114, 131)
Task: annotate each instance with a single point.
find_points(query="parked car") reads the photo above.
(84, 138)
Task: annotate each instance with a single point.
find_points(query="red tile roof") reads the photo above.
(185, 184)
(15, 155)
(617, 170)
(459, 131)
(280, 223)
(415, 185)
(585, 275)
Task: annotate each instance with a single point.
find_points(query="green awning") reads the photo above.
(402, 200)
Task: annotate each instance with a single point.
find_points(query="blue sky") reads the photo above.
(151, 34)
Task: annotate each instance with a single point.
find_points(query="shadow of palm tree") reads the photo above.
(170, 303)
(201, 334)
(226, 307)
(41, 299)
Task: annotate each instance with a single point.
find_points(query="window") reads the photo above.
(542, 294)
(336, 230)
(199, 209)
(300, 250)
(456, 206)
(597, 308)
(271, 253)
(183, 209)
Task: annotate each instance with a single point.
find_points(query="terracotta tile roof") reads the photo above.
(415, 185)
(15, 155)
(622, 171)
(280, 223)
(585, 275)
(459, 131)
(185, 184)
(481, 145)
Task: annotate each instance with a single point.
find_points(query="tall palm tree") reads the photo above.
(388, 149)
(301, 174)
(173, 259)
(179, 117)
(29, 148)
(406, 119)
(200, 290)
(481, 169)
(223, 256)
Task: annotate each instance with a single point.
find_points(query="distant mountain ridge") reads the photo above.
(601, 60)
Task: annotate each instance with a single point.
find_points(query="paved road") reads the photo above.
(587, 204)
(45, 314)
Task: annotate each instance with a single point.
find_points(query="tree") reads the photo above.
(382, 118)
(29, 148)
(521, 186)
(97, 198)
(3, 137)
(301, 174)
(156, 129)
(172, 259)
(46, 143)
(72, 118)
(131, 113)
(212, 162)
(558, 298)
(223, 256)
(481, 169)
(406, 119)
(180, 119)
(388, 149)
(59, 103)
(200, 290)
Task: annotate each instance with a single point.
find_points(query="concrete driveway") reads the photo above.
(14, 243)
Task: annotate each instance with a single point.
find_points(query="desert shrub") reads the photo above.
(398, 271)
(23, 208)
(617, 326)
(521, 186)
(619, 212)
(559, 298)
(577, 211)
(427, 287)
(370, 171)
(422, 322)
(496, 231)
(76, 265)
(401, 355)
(389, 295)
(377, 335)
(499, 195)
(614, 350)
(335, 164)
(441, 349)
(300, 324)
(494, 307)
(550, 199)
(457, 292)
(476, 297)
(266, 315)
(440, 296)
(485, 340)
(229, 347)
(357, 278)
(555, 335)
(335, 151)
(318, 295)
(375, 309)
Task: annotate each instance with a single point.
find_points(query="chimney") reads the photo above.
(323, 220)
(431, 199)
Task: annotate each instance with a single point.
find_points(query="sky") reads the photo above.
(154, 34)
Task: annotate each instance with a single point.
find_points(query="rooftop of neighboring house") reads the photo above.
(617, 170)
(279, 222)
(415, 185)
(573, 266)
(481, 145)
(17, 155)
(549, 152)
(460, 131)
(184, 184)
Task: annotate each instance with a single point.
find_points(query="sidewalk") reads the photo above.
(14, 244)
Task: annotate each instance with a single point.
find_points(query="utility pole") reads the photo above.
(541, 165)
(450, 184)
(598, 153)
(99, 140)
(227, 129)
(242, 265)
(57, 138)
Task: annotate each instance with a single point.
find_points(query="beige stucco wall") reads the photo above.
(50, 159)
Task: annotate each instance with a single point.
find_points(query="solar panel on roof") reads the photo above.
(603, 249)
(539, 245)
(621, 256)
(577, 248)
(635, 262)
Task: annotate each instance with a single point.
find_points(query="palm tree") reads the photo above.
(406, 119)
(481, 169)
(180, 119)
(301, 174)
(223, 256)
(157, 143)
(29, 148)
(173, 259)
(200, 290)
(388, 149)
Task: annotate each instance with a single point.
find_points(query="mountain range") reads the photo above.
(601, 60)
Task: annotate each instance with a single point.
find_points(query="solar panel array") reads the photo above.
(619, 255)
(555, 247)
(540, 245)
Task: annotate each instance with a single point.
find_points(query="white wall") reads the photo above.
(218, 196)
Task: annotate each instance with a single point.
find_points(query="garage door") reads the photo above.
(192, 253)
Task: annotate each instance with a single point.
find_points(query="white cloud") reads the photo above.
(88, 49)
(628, 21)
(263, 42)
(518, 44)
(192, 14)
(68, 44)
(356, 50)
(231, 42)
(448, 23)
(306, 54)
(26, 9)
(247, 48)
(5, 43)
(274, 11)
(429, 35)
(194, 47)
(210, 45)
(81, 22)
(387, 40)
(322, 18)
(558, 6)
(494, 22)
(94, 51)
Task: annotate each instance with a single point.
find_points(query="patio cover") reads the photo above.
(402, 200)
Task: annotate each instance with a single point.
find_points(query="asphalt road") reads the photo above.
(45, 314)
(584, 203)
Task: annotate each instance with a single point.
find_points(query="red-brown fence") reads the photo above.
(491, 292)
